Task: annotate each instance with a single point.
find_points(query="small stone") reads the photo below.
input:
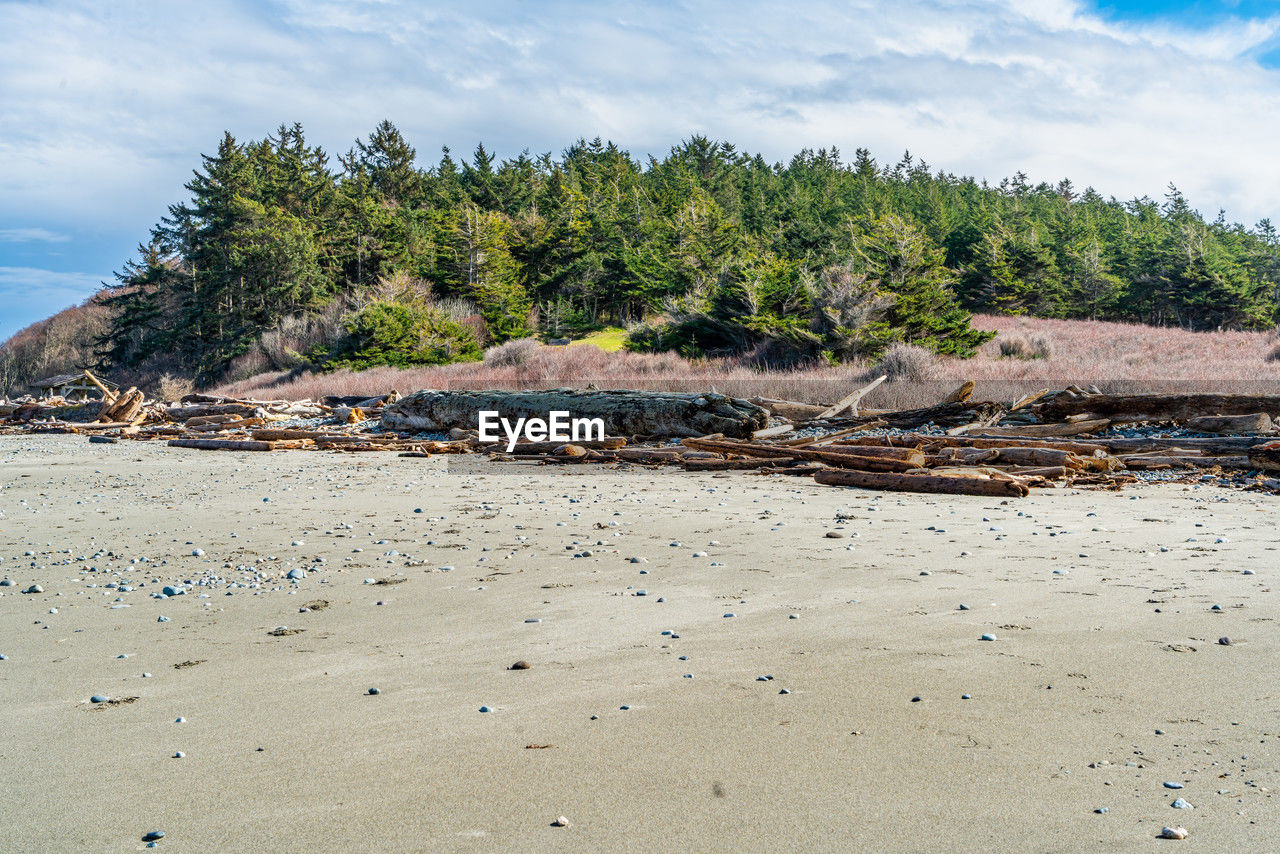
(793, 616)
(1102, 810)
(1224, 641)
(925, 572)
(966, 696)
(152, 836)
(785, 691)
(35, 588)
(729, 614)
(180, 720)
(98, 698)
(162, 619)
(988, 637)
(485, 710)
(916, 699)
(963, 607)
(834, 535)
(375, 691)
(534, 620)
(1172, 833)
(297, 574)
(1169, 784)
(1248, 572)
(1181, 804)
(179, 755)
(520, 665)
(197, 552)
(624, 708)
(560, 821)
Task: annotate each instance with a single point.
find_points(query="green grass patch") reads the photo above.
(610, 339)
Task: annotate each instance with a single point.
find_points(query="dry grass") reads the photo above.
(1115, 357)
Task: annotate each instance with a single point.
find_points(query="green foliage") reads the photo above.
(399, 335)
(814, 258)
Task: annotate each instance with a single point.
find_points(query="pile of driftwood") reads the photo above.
(955, 446)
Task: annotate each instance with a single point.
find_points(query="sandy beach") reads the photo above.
(716, 662)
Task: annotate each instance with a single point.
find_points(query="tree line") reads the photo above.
(707, 250)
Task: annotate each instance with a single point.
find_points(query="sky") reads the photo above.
(105, 107)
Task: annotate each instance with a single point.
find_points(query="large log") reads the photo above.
(924, 440)
(1162, 407)
(222, 444)
(1064, 428)
(623, 412)
(182, 413)
(922, 483)
(1254, 422)
(907, 459)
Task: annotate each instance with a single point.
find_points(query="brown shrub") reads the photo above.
(909, 363)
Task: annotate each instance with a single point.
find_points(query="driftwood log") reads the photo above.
(223, 444)
(623, 412)
(1158, 407)
(923, 483)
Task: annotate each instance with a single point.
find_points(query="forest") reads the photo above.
(283, 257)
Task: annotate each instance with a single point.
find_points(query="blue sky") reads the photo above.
(105, 107)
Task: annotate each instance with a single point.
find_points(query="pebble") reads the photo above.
(534, 620)
(988, 637)
(1181, 804)
(297, 574)
(180, 720)
(834, 535)
(1102, 810)
(374, 691)
(170, 590)
(1172, 785)
(1173, 833)
(560, 821)
(3, 657)
(153, 835)
(624, 708)
(179, 755)
(162, 619)
(963, 607)
(485, 710)
(1225, 641)
(197, 552)
(35, 588)
(785, 691)
(916, 699)
(1248, 572)
(729, 614)
(966, 696)
(793, 616)
(98, 698)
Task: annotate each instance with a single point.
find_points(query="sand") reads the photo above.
(1115, 660)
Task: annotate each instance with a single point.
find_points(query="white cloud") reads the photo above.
(104, 112)
(31, 235)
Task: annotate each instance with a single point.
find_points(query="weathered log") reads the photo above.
(922, 483)
(943, 414)
(737, 465)
(270, 434)
(1254, 422)
(1016, 456)
(773, 432)
(1163, 407)
(1265, 457)
(623, 412)
(790, 409)
(924, 440)
(1031, 431)
(222, 444)
(961, 394)
(1146, 461)
(908, 460)
(182, 413)
(851, 401)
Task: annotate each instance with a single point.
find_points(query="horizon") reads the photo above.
(108, 111)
